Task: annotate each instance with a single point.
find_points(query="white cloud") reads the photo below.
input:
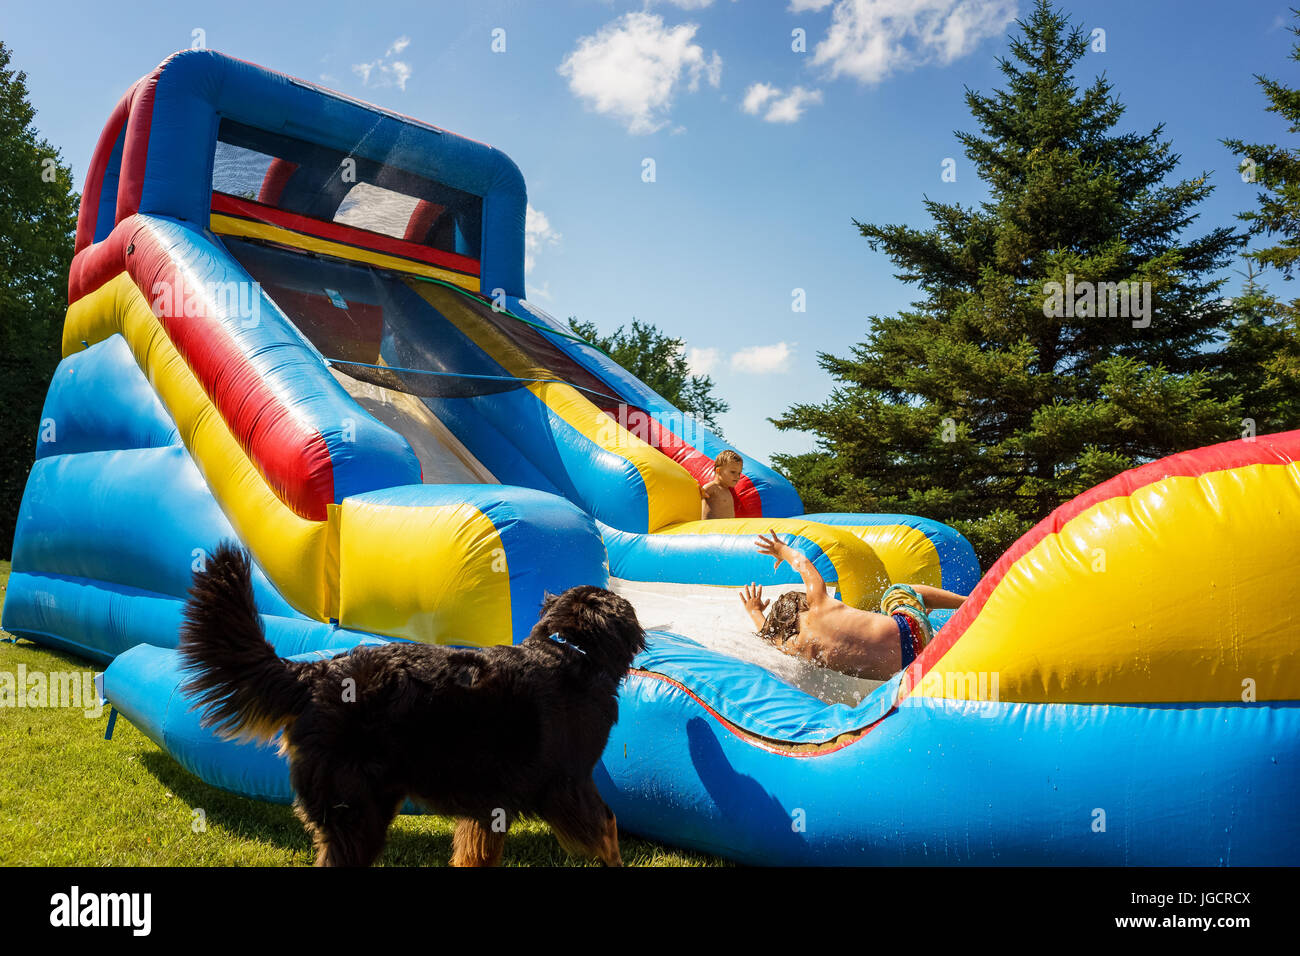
(870, 39)
(702, 361)
(756, 96)
(781, 107)
(631, 69)
(799, 6)
(386, 71)
(791, 106)
(538, 234)
(762, 359)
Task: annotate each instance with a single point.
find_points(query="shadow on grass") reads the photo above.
(424, 840)
(252, 819)
(72, 659)
(529, 842)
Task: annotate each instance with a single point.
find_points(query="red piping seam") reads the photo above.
(1189, 464)
(755, 739)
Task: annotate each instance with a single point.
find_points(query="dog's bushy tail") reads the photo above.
(248, 690)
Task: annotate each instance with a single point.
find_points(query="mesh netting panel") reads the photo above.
(305, 178)
(374, 326)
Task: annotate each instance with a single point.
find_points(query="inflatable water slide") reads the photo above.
(299, 321)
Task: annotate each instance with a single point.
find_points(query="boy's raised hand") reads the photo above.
(751, 595)
(774, 547)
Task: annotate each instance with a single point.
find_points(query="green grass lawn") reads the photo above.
(71, 798)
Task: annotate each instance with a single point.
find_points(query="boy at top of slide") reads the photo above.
(728, 468)
(833, 634)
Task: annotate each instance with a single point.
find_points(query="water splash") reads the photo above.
(715, 617)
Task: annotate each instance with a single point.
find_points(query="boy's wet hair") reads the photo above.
(727, 457)
(782, 622)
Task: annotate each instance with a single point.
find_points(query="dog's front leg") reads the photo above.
(607, 851)
(583, 824)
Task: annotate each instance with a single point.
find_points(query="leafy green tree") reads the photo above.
(659, 360)
(999, 395)
(38, 218)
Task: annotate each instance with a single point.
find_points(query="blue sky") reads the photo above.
(762, 154)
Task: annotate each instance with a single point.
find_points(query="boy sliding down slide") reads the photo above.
(834, 634)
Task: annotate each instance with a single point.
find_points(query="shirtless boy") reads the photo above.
(727, 472)
(816, 626)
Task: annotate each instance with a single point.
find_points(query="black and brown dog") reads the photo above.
(482, 735)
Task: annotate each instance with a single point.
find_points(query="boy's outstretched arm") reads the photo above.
(751, 595)
(936, 598)
(813, 584)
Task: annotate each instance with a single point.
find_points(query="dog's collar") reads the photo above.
(559, 640)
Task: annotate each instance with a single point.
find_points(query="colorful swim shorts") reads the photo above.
(906, 607)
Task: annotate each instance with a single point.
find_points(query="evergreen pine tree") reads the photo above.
(1263, 352)
(992, 400)
(1277, 170)
(1263, 358)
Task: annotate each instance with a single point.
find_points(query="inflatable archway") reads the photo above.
(299, 321)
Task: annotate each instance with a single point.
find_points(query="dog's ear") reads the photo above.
(546, 616)
(633, 632)
(609, 630)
